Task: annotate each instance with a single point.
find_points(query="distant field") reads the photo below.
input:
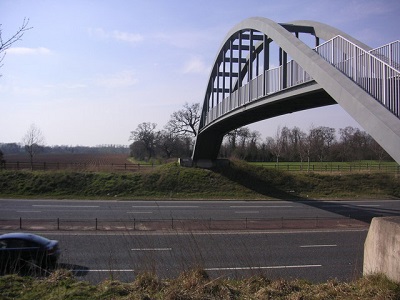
(72, 161)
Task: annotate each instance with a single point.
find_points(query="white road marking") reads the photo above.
(165, 206)
(28, 211)
(211, 269)
(263, 206)
(139, 212)
(316, 246)
(67, 206)
(105, 270)
(247, 212)
(151, 249)
(262, 268)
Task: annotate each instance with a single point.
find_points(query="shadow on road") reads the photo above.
(268, 187)
(360, 212)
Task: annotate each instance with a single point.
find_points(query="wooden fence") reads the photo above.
(72, 166)
(332, 167)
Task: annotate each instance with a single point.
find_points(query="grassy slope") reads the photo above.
(193, 285)
(237, 181)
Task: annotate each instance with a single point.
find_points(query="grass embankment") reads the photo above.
(193, 285)
(237, 181)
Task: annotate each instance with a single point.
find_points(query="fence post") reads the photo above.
(172, 223)
(96, 223)
(134, 224)
(20, 223)
(58, 223)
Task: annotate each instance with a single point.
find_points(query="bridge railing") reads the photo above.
(269, 83)
(374, 75)
(389, 53)
(376, 71)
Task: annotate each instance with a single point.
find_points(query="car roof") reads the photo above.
(26, 236)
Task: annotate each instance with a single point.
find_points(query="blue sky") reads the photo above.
(90, 71)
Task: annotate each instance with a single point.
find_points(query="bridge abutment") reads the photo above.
(382, 248)
(202, 163)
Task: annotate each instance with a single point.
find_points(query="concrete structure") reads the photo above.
(243, 89)
(382, 248)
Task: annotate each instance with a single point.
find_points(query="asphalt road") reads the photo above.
(315, 255)
(312, 255)
(216, 210)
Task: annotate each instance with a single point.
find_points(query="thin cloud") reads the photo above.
(117, 80)
(189, 39)
(127, 37)
(117, 35)
(196, 65)
(29, 51)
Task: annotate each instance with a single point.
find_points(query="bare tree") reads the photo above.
(8, 42)
(376, 149)
(33, 142)
(169, 144)
(146, 134)
(298, 144)
(184, 122)
(2, 161)
(276, 145)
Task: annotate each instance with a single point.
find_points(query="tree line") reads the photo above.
(177, 139)
(295, 145)
(320, 143)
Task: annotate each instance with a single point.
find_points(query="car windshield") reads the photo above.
(40, 239)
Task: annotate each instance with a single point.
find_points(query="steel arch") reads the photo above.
(330, 85)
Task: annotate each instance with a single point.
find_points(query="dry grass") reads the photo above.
(194, 284)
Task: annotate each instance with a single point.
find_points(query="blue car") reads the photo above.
(22, 251)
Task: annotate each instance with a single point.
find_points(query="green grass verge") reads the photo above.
(193, 284)
(239, 180)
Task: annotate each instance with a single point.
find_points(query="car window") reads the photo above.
(3, 244)
(15, 243)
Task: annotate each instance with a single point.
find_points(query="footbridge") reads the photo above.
(245, 87)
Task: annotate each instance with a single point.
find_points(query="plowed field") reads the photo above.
(71, 161)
